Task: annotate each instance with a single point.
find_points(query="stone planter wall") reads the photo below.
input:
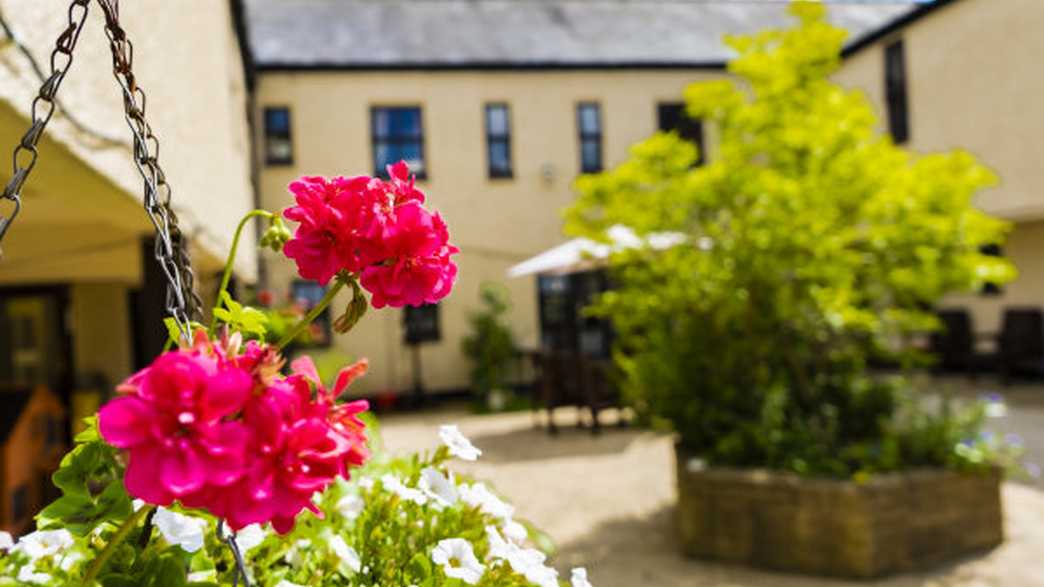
(893, 523)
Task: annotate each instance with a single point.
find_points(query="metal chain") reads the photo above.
(183, 304)
(25, 153)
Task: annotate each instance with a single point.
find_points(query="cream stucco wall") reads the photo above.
(101, 325)
(187, 60)
(496, 223)
(974, 82)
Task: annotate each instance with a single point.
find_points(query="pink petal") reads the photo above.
(305, 366)
(143, 469)
(182, 470)
(349, 374)
(123, 422)
(227, 391)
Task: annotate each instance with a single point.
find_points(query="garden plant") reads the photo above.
(490, 346)
(216, 465)
(813, 244)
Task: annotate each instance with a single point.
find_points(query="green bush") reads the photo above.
(490, 346)
(812, 242)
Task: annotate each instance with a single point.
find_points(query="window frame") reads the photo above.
(271, 161)
(379, 171)
(896, 89)
(492, 138)
(597, 136)
(699, 140)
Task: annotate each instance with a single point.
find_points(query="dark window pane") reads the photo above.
(497, 120)
(498, 140)
(277, 120)
(398, 136)
(499, 159)
(589, 119)
(672, 117)
(591, 155)
(278, 146)
(895, 92)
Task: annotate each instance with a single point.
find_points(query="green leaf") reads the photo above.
(241, 318)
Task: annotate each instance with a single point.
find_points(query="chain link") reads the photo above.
(171, 252)
(25, 152)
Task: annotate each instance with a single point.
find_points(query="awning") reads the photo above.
(580, 254)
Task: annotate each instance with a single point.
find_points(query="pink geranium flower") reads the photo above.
(171, 420)
(377, 231)
(418, 269)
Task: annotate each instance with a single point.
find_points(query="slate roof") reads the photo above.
(383, 34)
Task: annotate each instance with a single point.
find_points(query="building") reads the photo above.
(963, 74)
(80, 296)
(497, 105)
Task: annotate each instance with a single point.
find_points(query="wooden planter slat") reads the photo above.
(892, 523)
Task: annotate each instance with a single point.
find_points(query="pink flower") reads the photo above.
(171, 421)
(333, 216)
(375, 230)
(401, 184)
(418, 269)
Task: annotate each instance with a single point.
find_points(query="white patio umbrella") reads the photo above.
(581, 253)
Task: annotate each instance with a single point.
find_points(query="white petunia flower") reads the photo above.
(542, 575)
(6, 542)
(250, 537)
(515, 531)
(349, 558)
(28, 574)
(440, 488)
(137, 504)
(350, 506)
(393, 484)
(479, 496)
(69, 560)
(458, 560)
(579, 578)
(498, 547)
(44, 543)
(285, 583)
(184, 531)
(294, 556)
(527, 562)
(207, 576)
(459, 445)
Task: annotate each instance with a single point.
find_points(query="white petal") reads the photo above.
(250, 537)
(579, 578)
(458, 444)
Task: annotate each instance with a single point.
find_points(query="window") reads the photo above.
(498, 140)
(397, 136)
(671, 116)
(421, 324)
(895, 92)
(989, 288)
(589, 122)
(308, 294)
(279, 149)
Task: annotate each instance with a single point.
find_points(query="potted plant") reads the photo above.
(810, 243)
(491, 348)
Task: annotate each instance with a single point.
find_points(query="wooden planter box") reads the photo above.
(893, 523)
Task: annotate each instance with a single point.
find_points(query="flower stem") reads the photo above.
(312, 314)
(227, 276)
(117, 539)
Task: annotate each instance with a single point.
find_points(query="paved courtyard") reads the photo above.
(607, 501)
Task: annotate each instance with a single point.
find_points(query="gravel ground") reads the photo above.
(607, 500)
